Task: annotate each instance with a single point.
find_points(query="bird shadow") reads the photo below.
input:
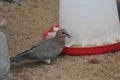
(27, 64)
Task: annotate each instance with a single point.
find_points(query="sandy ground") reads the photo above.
(24, 28)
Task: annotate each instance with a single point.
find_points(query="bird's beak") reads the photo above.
(67, 35)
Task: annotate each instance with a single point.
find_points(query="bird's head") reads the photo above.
(62, 33)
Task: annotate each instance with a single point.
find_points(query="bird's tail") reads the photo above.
(19, 57)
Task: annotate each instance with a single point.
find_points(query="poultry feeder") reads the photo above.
(93, 25)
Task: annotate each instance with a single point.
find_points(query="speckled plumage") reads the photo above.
(46, 50)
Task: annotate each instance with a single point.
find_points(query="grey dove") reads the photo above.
(46, 50)
(14, 1)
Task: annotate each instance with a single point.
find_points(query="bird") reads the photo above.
(13, 1)
(47, 50)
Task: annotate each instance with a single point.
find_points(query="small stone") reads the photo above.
(1, 5)
(35, 6)
(9, 10)
(94, 61)
(2, 22)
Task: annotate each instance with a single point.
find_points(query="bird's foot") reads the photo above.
(53, 62)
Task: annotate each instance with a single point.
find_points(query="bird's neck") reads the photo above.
(61, 41)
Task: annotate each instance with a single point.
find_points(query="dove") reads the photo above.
(46, 50)
(13, 1)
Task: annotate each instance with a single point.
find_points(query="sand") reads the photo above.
(24, 28)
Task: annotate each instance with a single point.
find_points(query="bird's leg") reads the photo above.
(49, 61)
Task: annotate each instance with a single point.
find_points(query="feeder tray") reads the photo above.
(84, 50)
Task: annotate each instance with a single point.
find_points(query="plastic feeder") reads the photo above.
(89, 22)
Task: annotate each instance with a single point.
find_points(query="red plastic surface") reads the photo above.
(85, 50)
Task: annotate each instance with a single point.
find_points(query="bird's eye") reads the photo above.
(63, 32)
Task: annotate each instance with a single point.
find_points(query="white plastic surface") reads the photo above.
(90, 21)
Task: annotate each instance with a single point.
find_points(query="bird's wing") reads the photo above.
(45, 50)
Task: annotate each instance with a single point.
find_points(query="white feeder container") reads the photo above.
(90, 21)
